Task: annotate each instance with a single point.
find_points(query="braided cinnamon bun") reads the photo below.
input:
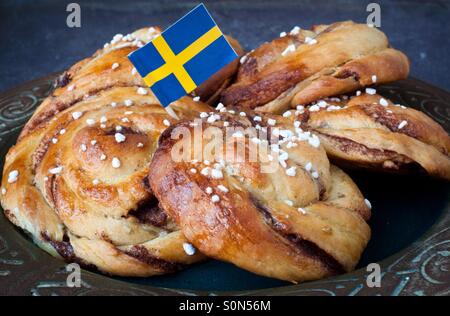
(76, 180)
(287, 213)
(306, 65)
(369, 131)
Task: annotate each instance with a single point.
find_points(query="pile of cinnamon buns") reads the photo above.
(93, 179)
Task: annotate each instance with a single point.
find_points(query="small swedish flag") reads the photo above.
(183, 56)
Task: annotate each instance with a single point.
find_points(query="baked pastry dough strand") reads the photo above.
(368, 131)
(308, 65)
(295, 226)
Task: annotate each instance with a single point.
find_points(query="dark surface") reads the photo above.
(410, 230)
(35, 41)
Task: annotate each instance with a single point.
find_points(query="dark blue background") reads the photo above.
(35, 40)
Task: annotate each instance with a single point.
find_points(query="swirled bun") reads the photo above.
(76, 180)
(370, 132)
(299, 219)
(307, 65)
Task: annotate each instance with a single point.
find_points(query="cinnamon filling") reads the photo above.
(389, 120)
(346, 73)
(149, 212)
(141, 253)
(65, 250)
(305, 246)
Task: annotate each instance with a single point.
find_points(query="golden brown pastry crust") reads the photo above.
(345, 58)
(255, 222)
(369, 131)
(82, 160)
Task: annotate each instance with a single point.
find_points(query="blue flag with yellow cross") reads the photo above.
(183, 56)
